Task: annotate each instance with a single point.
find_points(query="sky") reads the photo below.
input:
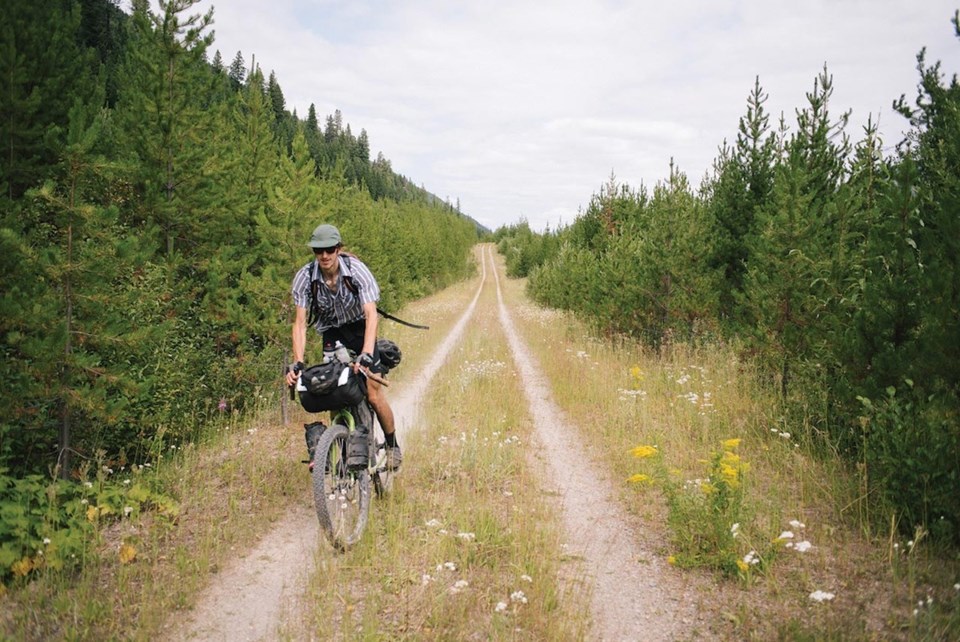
(523, 109)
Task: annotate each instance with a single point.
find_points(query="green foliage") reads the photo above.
(523, 249)
(705, 514)
(53, 525)
(911, 446)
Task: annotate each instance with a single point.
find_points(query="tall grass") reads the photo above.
(467, 547)
(798, 528)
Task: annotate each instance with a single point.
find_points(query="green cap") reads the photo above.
(325, 236)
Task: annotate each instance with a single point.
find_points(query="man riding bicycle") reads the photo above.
(340, 294)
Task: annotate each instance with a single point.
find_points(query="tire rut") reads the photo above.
(635, 594)
(259, 593)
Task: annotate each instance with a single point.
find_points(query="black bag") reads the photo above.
(324, 390)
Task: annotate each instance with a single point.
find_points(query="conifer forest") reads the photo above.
(834, 264)
(156, 202)
(156, 195)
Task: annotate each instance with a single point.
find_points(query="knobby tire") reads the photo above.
(342, 496)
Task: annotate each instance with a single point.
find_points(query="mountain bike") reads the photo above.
(350, 454)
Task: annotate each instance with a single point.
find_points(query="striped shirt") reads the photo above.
(340, 307)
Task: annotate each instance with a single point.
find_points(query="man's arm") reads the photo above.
(299, 335)
(370, 327)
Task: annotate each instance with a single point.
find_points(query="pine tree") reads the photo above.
(42, 71)
(237, 71)
(162, 110)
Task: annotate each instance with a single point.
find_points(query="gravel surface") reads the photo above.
(634, 594)
(248, 600)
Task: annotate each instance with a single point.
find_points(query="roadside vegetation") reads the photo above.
(706, 454)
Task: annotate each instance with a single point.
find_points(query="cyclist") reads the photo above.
(337, 294)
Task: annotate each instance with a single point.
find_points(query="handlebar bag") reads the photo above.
(330, 386)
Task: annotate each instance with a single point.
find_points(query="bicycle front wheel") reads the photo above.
(342, 496)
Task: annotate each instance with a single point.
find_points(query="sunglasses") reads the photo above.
(326, 250)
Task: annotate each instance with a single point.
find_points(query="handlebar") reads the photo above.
(373, 376)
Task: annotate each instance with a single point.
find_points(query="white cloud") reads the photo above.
(523, 108)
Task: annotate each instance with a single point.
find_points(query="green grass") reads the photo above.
(467, 528)
(471, 495)
(687, 400)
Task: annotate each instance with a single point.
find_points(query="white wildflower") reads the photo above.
(425, 579)
(433, 523)
(518, 596)
(46, 541)
(459, 585)
(467, 537)
(735, 530)
(797, 524)
(802, 547)
(786, 535)
(821, 596)
(526, 578)
(501, 607)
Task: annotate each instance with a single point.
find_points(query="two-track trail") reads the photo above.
(634, 594)
(257, 593)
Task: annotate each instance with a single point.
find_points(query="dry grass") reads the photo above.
(687, 400)
(469, 495)
(467, 528)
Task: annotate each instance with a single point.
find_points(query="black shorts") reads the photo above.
(351, 335)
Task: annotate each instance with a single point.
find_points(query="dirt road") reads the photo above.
(634, 594)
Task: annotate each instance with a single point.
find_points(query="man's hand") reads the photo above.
(364, 361)
(293, 372)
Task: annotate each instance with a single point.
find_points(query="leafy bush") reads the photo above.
(912, 446)
(705, 513)
(53, 525)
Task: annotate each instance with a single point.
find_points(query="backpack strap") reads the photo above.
(353, 287)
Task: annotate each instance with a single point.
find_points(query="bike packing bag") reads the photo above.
(330, 386)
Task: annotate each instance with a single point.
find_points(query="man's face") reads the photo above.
(326, 256)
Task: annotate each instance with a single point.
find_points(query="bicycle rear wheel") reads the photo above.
(342, 496)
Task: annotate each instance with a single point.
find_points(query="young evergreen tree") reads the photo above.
(237, 71)
(161, 109)
(743, 180)
(43, 70)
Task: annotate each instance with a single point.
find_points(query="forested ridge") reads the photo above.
(835, 265)
(155, 205)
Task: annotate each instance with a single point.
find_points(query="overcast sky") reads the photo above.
(523, 108)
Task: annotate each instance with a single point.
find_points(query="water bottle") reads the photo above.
(342, 353)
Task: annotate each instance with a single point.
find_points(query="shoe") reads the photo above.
(394, 457)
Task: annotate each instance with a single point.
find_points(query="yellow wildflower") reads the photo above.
(672, 560)
(731, 459)
(636, 373)
(92, 513)
(743, 566)
(729, 472)
(730, 444)
(639, 478)
(643, 451)
(127, 554)
(22, 568)
(707, 488)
